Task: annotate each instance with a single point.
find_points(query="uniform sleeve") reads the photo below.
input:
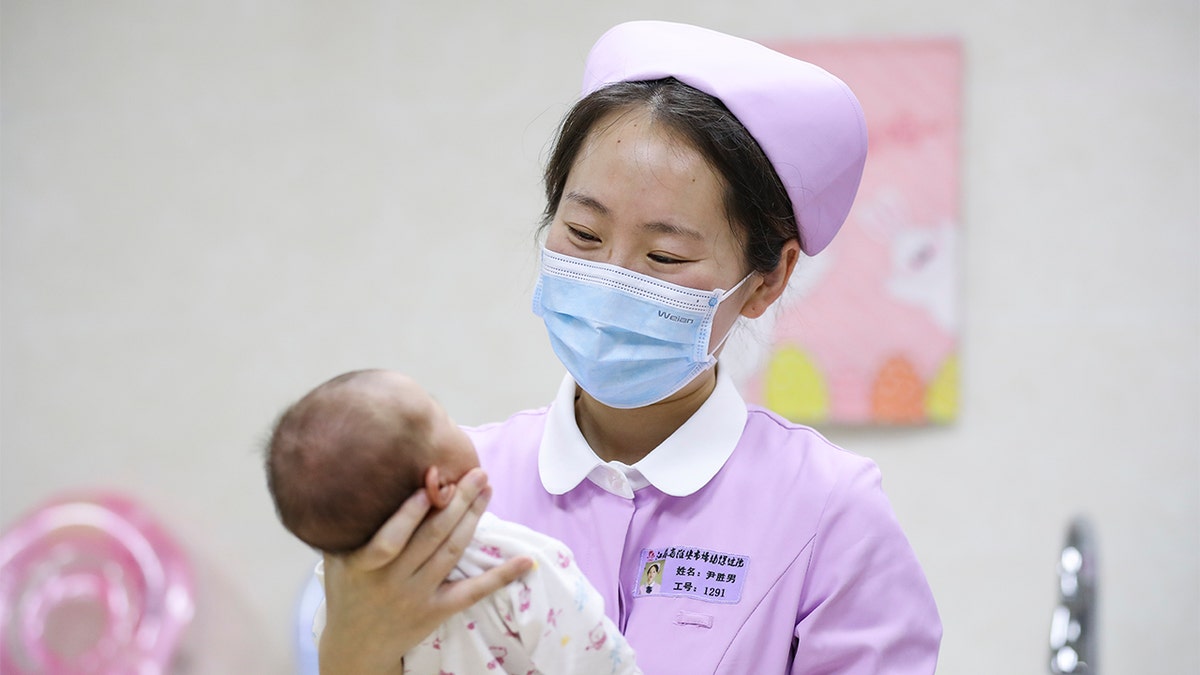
(867, 608)
(560, 619)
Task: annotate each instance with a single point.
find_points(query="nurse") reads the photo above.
(682, 188)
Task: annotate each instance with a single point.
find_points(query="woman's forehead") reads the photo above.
(634, 160)
(641, 120)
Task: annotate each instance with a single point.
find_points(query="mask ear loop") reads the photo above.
(725, 295)
(731, 291)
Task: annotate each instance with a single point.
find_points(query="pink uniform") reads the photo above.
(743, 544)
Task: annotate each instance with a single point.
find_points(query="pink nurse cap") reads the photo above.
(807, 121)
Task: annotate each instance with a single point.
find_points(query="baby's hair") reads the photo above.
(342, 459)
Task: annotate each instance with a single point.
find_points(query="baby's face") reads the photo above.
(451, 450)
(455, 452)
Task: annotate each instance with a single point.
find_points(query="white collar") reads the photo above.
(679, 466)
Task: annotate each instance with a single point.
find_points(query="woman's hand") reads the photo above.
(382, 600)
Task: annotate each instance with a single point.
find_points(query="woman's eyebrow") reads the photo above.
(660, 227)
(588, 202)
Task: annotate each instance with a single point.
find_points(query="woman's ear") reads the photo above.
(772, 284)
(439, 492)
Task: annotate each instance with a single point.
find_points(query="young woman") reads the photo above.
(682, 188)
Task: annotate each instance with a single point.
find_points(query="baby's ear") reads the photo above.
(439, 492)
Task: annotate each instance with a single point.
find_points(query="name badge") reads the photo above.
(678, 571)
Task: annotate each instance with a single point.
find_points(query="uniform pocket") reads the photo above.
(686, 618)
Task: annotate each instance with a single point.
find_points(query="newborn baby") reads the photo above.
(342, 460)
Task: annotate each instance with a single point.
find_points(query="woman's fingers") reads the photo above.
(468, 504)
(383, 600)
(419, 547)
(456, 596)
(386, 598)
(422, 545)
(395, 534)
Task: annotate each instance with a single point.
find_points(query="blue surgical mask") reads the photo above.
(628, 339)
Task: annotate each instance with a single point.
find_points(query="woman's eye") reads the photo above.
(664, 259)
(580, 234)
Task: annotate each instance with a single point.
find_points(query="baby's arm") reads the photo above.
(559, 618)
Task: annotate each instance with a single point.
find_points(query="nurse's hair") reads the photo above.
(756, 202)
(342, 459)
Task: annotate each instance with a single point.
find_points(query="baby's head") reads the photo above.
(344, 458)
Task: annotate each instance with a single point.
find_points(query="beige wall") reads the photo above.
(208, 208)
